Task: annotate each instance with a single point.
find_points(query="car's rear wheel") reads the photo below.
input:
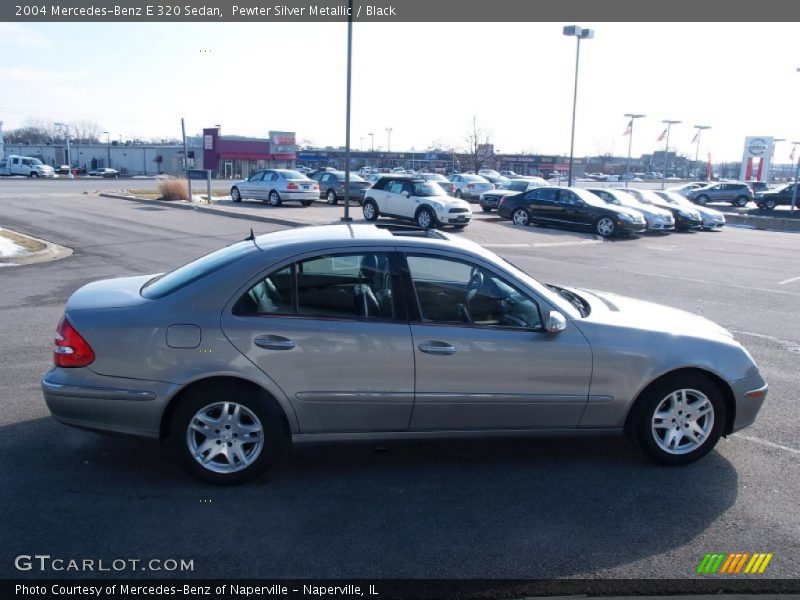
(605, 226)
(425, 218)
(680, 419)
(370, 210)
(306, 202)
(702, 199)
(35, 175)
(236, 196)
(741, 201)
(226, 433)
(769, 204)
(458, 194)
(331, 197)
(520, 217)
(275, 199)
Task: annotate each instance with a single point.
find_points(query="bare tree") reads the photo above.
(33, 131)
(478, 145)
(84, 131)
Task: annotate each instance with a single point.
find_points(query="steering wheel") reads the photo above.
(475, 284)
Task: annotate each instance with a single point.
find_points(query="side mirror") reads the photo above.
(406, 194)
(555, 322)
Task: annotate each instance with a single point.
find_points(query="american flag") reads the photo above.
(662, 136)
(629, 129)
(696, 135)
(791, 156)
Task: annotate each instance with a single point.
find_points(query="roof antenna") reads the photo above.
(251, 237)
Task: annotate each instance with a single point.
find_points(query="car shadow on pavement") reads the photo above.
(509, 508)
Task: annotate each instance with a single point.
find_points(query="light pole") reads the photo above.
(700, 129)
(347, 216)
(108, 147)
(796, 174)
(669, 124)
(372, 141)
(70, 174)
(388, 139)
(632, 117)
(580, 33)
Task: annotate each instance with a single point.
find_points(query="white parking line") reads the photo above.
(756, 440)
(789, 280)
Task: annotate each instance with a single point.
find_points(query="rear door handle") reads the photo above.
(274, 342)
(436, 348)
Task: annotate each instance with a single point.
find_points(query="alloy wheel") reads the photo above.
(520, 217)
(225, 437)
(682, 421)
(605, 227)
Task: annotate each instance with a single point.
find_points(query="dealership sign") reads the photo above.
(282, 142)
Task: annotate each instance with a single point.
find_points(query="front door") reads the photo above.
(329, 332)
(483, 359)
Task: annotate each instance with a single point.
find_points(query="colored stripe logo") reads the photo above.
(732, 564)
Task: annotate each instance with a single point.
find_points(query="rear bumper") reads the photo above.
(83, 399)
(489, 201)
(301, 195)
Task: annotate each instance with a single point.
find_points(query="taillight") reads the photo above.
(292, 186)
(71, 349)
(315, 186)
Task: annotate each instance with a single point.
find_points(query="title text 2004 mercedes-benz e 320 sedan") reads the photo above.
(343, 332)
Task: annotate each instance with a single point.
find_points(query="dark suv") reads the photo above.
(735, 192)
(779, 196)
(331, 186)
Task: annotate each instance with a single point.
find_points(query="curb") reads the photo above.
(763, 223)
(51, 251)
(185, 205)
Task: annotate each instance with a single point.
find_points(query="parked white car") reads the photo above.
(414, 198)
(27, 166)
(470, 186)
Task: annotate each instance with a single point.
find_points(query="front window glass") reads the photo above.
(451, 291)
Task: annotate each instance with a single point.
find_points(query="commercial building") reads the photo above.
(234, 157)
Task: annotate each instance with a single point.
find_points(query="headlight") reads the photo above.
(436, 205)
(685, 214)
(625, 217)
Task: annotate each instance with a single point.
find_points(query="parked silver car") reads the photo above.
(469, 186)
(356, 331)
(658, 219)
(276, 186)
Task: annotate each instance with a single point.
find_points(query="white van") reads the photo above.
(27, 166)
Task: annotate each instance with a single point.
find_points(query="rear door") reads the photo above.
(543, 205)
(330, 331)
(249, 188)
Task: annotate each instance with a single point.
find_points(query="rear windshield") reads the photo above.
(477, 178)
(292, 175)
(165, 284)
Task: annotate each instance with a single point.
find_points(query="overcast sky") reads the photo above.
(425, 81)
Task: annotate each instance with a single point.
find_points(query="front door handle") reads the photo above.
(436, 348)
(274, 342)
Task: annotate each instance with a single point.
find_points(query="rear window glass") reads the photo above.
(168, 283)
(477, 178)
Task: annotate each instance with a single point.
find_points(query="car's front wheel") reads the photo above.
(275, 199)
(425, 218)
(741, 201)
(768, 204)
(605, 226)
(520, 217)
(680, 419)
(702, 200)
(458, 194)
(370, 210)
(235, 195)
(226, 434)
(34, 175)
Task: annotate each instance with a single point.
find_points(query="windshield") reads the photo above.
(353, 176)
(36, 161)
(168, 283)
(626, 199)
(475, 178)
(609, 198)
(587, 196)
(517, 185)
(428, 189)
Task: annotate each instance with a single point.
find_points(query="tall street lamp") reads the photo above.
(70, 174)
(580, 33)
(388, 139)
(700, 129)
(669, 124)
(629, 132)
(347, 216)
(108, 147)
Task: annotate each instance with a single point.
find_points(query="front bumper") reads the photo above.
(662, 225)
(81, 398)
(684, 223)
(749, 395)
(712, 224)
(628, 227)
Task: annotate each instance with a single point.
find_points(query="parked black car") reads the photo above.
(331, 186)
(570, 207)
(779, 196)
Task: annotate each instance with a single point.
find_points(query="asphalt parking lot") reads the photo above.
(508, 509)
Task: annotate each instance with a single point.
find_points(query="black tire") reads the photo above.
(605, 227)
(458, 194)
(459, 227)
(425, 218)
(306, 202)
(768, 204)
(702, 199)
(274, 199)
(236, 196)
(642, 417)
(520, 216)
(330, 197)
(34, 175)
(741, 201)
(486, 209)
(370, 210)
(273, 439)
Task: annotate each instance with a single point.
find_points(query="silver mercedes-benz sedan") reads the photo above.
(361, 331)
